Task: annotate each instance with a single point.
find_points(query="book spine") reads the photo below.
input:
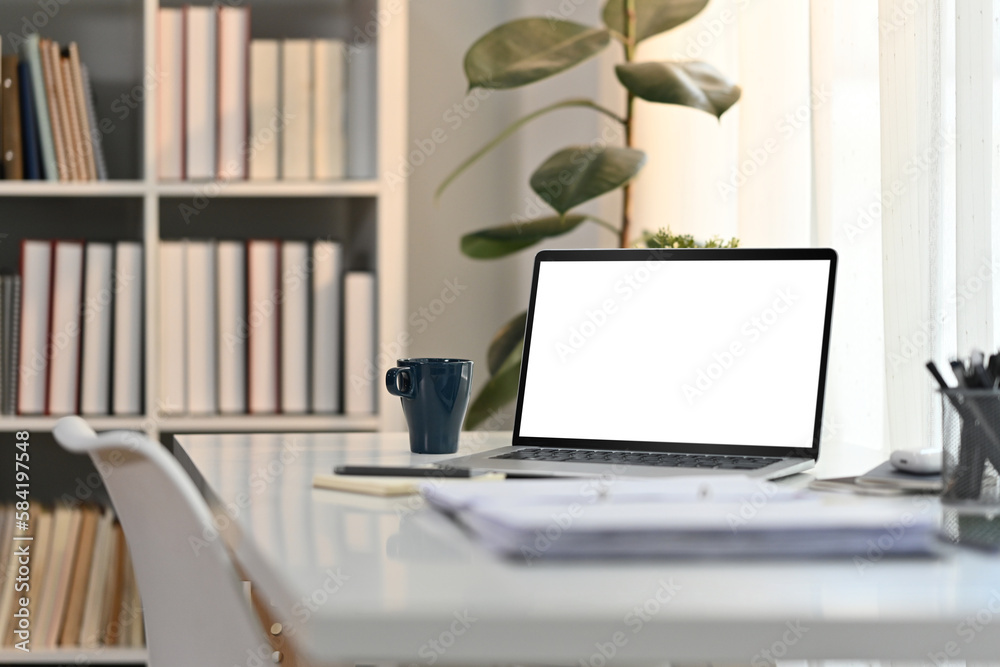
(359, 342)
(234, 27)
(95, 371)
(29, 130)
(170, 101)
(32, 53)
(201, 327)
(13, 372)
(127, 379)
(265, 131)
(13, 163)
(296, 106)
(233, 326)
(294, 327)
(326, 335)
(173, 328)
(201, 90)
(80, 104)
(95, 132)
(55, 119)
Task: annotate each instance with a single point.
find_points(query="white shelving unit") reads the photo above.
(117, 40)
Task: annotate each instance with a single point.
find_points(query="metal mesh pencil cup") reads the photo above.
(971, 423)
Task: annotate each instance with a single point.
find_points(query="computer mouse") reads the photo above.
(919, 462)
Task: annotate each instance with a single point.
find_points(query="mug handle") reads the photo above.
(391, 385)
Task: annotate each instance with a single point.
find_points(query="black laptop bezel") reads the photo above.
(669, 254)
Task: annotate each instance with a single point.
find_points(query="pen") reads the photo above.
(404, 471)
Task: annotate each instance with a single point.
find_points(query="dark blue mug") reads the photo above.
(435, 396)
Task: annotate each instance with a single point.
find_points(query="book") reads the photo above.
(170, 100)
(49, 70)
(69, 635)
(232, 338)
(62, 397)
(113, 593)
(77, 157)
(329, 140)
(4, 345)
(388, 486)
(120, 631)
(136, 629)
(89, 164)
(359, 343)
(127, 355)
(32, 54)
(9, 564)
(62, 111)
(98, 299)
(11, 325)
(10, 107)
(66, 539)
(263, 326)
(36, 280)
(173, 328)
(326, 301)
(201, 330)
(265, 127)
(40, 562)
(296, 109)
(90, 625)
(31, 149)
(294, 327)
(200, 91)
(361, 122)
(95, 132)
(886, 475)
(234, 45)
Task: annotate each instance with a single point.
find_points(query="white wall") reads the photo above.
(494, 190)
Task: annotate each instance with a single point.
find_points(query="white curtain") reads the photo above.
(795, 163)
(873, 128)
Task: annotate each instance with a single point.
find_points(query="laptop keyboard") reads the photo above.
(641, 458)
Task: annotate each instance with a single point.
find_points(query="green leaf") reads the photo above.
(652, 16)
(500, 390)
(504, 342)
(691, 84)
(528, 50)
(516, 125)
(580, 173)
(506, 239)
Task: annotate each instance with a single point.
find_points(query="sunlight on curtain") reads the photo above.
(795, 163)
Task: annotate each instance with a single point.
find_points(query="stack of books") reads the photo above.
(74, 299)
(82, 589)
(260, 327)
(230, 108)
(50, 129)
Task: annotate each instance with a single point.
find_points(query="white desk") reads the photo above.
(363, 579)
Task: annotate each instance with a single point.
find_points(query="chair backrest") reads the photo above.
(194, 606)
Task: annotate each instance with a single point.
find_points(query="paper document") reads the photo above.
(691, 516)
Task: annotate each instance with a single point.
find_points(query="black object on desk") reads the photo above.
(976, 403)
(403, 471)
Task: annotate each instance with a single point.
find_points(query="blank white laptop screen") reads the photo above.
(712, 352)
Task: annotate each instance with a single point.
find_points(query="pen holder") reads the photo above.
(971, 423)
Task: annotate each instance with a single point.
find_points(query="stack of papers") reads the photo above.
(691, 516)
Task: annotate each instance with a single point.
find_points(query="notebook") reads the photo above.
(649, 363)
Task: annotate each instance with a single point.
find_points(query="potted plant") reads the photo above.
(524, 51)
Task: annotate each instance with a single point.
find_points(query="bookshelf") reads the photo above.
(117, 40)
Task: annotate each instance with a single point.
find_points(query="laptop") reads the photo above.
(652, 363)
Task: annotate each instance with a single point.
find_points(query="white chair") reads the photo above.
(195, 609)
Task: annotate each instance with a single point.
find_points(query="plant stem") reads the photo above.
(604, 223)
(630, 48)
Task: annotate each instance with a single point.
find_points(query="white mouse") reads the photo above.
(920, 462)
